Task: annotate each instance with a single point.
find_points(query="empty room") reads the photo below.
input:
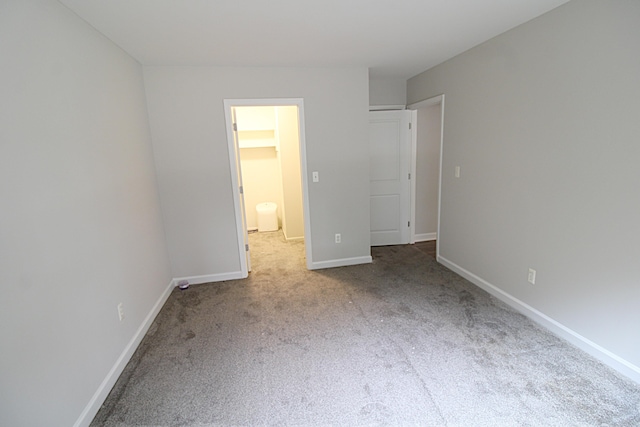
(402, 234)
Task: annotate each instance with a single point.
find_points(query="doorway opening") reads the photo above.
(267, 159)
(427, 140)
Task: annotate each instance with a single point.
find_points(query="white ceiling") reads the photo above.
(394, 38)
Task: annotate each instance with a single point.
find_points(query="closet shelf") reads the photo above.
(256, 138)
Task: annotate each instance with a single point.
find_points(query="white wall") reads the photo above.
(543, 121)
(387, 91)
(289, 136)
(80, 224)
(427, 171)
(261, 180)
(189, 137)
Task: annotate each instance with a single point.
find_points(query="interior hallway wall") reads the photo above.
(427, 171)
(289, 136)
(188, 129)
(80, 223)
(543, 121)
(387, 91)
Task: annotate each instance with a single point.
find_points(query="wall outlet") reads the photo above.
(457, 172)
(532, 276)
(120, 312)
(338, 238)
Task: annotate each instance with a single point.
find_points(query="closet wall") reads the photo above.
(270, 161)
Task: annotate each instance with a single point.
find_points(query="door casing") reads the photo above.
(241, 225)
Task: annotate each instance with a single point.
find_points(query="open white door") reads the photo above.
(390, 184)
(236, 148)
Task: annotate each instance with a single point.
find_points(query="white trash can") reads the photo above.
(267, 216)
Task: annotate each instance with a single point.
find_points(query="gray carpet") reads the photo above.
(402, 341)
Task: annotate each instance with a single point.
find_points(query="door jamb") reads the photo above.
(412, 170)
(267, 102)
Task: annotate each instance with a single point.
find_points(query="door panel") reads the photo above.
(390, 156)
(385, 146)
(385, 213)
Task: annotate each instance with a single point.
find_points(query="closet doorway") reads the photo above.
(267, 158)
(428, 117)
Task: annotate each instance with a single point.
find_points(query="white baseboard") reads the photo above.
(293, 238)
(101, 394)
(425, 237)
(612, 360)
(290, 239)
(104, 389)
(343, 262)
(207, 278)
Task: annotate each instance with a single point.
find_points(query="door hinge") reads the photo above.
(246, 247)
(241, 190)
(408, 223)
(235, 127)
(409, 176)
(409, 125)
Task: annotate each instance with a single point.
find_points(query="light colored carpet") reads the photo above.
(401, 341)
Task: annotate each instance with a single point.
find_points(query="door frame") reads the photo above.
(429, 102)
(241, 225)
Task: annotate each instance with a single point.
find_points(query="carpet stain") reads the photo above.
(376, 412)
(251, 317)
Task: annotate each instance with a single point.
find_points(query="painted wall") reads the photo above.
(261, 180)
(80, 223)
(289, 137)
(189, 137)
(387, 91)
(427, 171)
(261, 177)
(543, 121)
